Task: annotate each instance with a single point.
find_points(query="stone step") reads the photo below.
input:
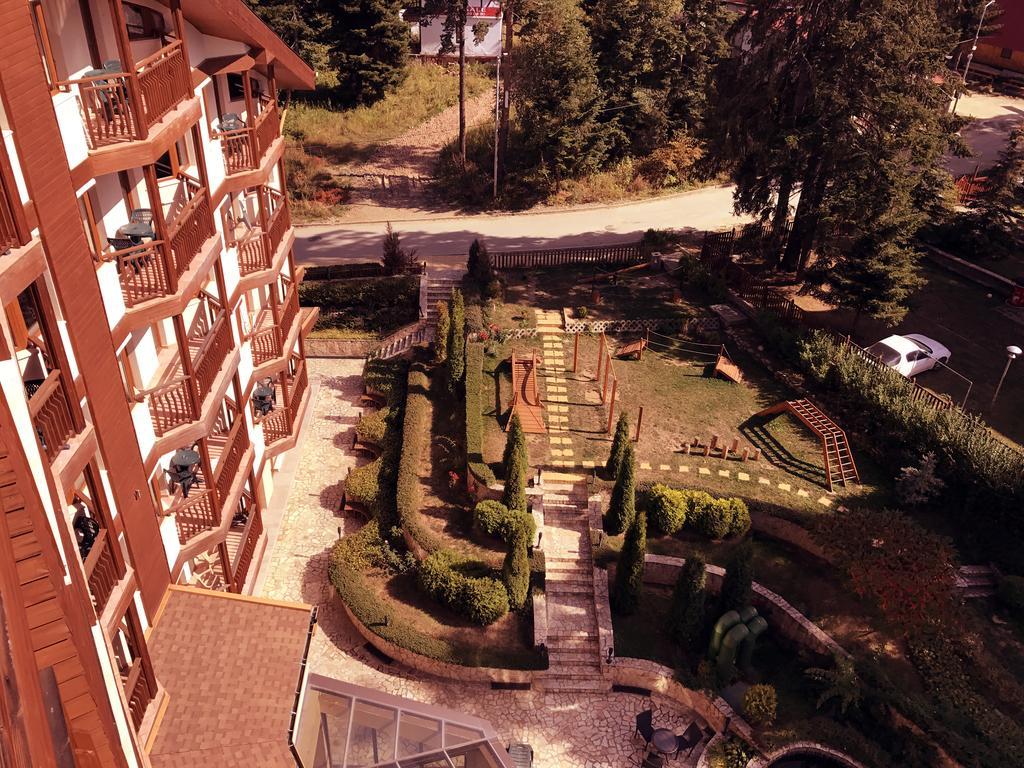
(583, 685)
(578, 669)
(577, 568)
(578, 590)
(581, 576)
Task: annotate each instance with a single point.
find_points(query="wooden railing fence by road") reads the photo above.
(51, 415)
(605, 255)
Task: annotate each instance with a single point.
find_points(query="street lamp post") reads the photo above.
(974, 47)
(1012, 353)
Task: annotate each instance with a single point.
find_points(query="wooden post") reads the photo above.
(160, 225)
(639, 423)
(576, 354)
(600, 358)
(607, 370)
(611, 407)
(643, 343)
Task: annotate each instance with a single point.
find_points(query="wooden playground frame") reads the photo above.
(526, 402)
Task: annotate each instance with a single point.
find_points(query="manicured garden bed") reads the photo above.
(360, 308)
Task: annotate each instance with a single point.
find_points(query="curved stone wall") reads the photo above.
(803, 748)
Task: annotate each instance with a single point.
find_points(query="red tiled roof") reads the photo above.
(231, 666)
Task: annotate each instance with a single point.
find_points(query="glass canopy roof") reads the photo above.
(347, 726)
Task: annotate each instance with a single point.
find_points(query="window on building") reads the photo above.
(143, 23)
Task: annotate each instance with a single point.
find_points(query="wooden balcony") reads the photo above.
(280, 220)
(152, 270)
(52, 415)
(283, 421)
(14, 231)
(179, 400)
(140, 688)
(119, 107)
(102, 571)
(244, 148)
(253, 252)
(267, 337)
(240, 544)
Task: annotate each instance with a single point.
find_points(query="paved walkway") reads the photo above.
(565, 729)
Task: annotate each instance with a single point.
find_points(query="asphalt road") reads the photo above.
(450, 236)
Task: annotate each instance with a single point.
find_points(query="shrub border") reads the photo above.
(475, 464)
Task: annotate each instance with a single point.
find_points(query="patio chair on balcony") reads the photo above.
(138, 262)
(231, 121)
(141, 216)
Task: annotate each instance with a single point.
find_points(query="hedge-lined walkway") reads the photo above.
(578, 730)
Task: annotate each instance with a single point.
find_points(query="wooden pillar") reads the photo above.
(600, 358)
(639, 423)
(179, 30)
(160, 224)
(611, 407)
(124, 51)
(185, 356)
(576, 354)
(607, 370)
(272, 81)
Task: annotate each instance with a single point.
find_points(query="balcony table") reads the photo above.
(137, 231)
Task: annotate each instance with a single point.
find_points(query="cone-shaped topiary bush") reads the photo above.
(686, 618)
(739, 575)
(456, 341)
(622, 506)
(619, 443)
(629, 575)
(516, 467)
(443, 329)
(516, 570)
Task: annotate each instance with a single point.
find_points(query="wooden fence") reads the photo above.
(605, 255)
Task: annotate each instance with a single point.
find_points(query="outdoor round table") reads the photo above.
(663, 740)
(137, 230)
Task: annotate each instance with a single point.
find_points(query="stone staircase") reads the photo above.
(975, 581)
(439, 288)
(574, 651)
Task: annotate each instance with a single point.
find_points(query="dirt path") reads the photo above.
(397, 175)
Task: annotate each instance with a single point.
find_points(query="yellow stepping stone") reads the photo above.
(683, 468)
(645, 465)
(589, 464)
(664, 468)
(784, 487)
(742, 476)
(557, 452)
(802, 493)
(723, 473)
(764, 481)
(568, 452)
(825, 501)
(704, 471)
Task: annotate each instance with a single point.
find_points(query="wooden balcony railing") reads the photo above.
(299, 384)
(211, 357)
(144, 271)
(13, 228)
(140, 688)
(231, 458)
(280, 222)
(197, 514)
(290, 311)
(243, 558)
(123, 106)
(266, 345)
(171, 404)
(253, 254)
(277, 425)
(192, 227)
(244, 148)
(51, 415)
(102, 571)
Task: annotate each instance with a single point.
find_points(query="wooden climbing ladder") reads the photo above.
(526, 395)
(839, 464)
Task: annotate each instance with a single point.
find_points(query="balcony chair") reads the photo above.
(521, 754)
(141, 216)
(138, 262)
(231, 121)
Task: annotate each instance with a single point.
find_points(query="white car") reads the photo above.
(910, 354)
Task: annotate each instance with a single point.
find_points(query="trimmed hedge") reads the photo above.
(415, 440)
(482, 600)
(495, 519)
(372, 426)
(671, 509)
(474, 415)
(1011, 595)
(353, 556)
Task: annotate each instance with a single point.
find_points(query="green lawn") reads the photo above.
(361, 308)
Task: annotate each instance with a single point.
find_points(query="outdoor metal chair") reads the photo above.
(126, 243)
(645, 725)
(654, 760)
(141, 216)
(521, 754)
(689, 739)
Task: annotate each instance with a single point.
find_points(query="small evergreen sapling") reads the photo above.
(629, 575)
(456, 342)
(686, 619)
(739, 577)
(619, 443)
(441, 336)
(516, 569)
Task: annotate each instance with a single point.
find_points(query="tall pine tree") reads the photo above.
(368, 44)
(629, 574)
(622, 504)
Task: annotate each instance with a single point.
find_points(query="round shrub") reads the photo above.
(484, 600)
(739, 516)
(668, 508)
(495, 519)
(704, 517)
(1011, 594)
(362, 483)
(760, 703)
(516, 570)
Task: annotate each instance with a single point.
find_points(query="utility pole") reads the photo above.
(974, 47)
(497, 103)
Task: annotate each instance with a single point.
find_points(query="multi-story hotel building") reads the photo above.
(151, 352)
(153, 377)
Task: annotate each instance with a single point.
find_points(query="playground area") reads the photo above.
(712, 418)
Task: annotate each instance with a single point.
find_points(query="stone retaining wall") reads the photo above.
(540, 619)
(435, 667)
(787, 532)
(643, 673)
(804, 747)
(783, 619)
(983, 277)
(355, 348)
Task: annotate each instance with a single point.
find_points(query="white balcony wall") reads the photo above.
(12, 154)
(215, 169)
(229, 264)
(110, 290)
(72, 128)
(112, 212)
(144, 431)
(68, 39)
(143, 356)
(169, 534)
